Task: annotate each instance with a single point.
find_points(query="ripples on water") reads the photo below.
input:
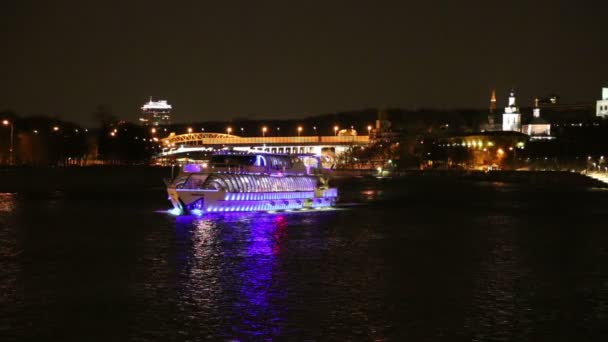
(418, 261)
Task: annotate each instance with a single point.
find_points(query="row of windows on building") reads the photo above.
(301, 149)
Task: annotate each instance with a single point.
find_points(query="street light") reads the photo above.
(264, 129)
(189, 129)
(242, 131)
(6, 123)
(229, 130)
(336, 130)
(369, 129)
(153, 130)
(299, 130)
(55, 128)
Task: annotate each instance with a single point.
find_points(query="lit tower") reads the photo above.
(511, 119)
(156, 113)
(492, 110)
(537, 128)
(493, 101)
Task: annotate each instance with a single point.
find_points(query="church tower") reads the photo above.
(492, 110)
(511, 119)
(493, 101)
(537, 128)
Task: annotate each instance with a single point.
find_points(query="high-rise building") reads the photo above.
(602, 105)
(156, 113)
(511, 119)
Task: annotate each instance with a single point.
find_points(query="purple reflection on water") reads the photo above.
(262, 300)
(231, 274)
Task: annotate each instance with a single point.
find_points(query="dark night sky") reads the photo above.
(228, 59)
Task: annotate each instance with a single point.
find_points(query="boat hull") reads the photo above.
(208, 201)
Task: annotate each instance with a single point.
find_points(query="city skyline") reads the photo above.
(272, 60)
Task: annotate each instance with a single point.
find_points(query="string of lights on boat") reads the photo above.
(249, 183)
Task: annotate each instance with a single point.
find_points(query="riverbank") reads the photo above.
(558, 178)
(138, 178)
(110, 178)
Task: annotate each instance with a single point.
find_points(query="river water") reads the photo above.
(416, 260)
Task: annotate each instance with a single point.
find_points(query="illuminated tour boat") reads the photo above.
(251, 182)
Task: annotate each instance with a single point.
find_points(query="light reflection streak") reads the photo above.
(230, 263)
(10, 257)
(261, 281)
(7, 202)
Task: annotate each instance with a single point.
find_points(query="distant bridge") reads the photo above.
(191, 142)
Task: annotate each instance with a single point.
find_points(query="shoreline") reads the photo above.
(139, 178)
(561, 178)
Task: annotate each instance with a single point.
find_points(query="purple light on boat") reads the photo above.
(192, 168)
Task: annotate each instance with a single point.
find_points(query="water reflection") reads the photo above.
(9, 259)
(232, 280)
(7, 202)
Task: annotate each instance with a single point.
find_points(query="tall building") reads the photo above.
(490, 126)
(602, 105)
(511, 119)
(493, 101)
(156, 113)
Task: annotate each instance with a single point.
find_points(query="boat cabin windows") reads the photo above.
(232, 160)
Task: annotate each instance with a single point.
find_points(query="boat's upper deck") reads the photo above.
(253, 173)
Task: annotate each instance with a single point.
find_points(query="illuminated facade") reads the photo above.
(156, 113)
(602, 105)
(511, 119)
(484, 149)
(537, 128)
